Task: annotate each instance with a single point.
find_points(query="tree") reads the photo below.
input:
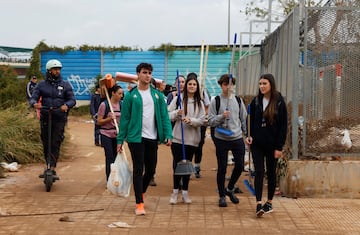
(261, 10)
(12, 89)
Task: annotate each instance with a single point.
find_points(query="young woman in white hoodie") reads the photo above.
(191, 112)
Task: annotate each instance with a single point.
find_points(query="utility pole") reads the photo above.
(228, 45)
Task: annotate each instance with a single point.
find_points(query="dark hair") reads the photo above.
(192, 75)
(225, 79)
(153, 82)
(197, 97)
(114, 89)
(144, 66)
(271, 109)
(176, 80)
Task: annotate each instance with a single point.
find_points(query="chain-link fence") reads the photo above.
(316, 65)
(332, 82)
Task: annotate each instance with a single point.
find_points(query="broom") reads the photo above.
(248, 182)
(184, 167)
(224, 130)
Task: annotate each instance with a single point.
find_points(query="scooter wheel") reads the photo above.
(48, 181)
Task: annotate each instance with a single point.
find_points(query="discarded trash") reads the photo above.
(66, 219)
(346, 141)
(3, 212)
(120, 224)
(14, 166)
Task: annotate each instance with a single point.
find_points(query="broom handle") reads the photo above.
(111, 108)
(181, 122)
(248, 135)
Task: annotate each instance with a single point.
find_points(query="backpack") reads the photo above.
(217, 105)
(107, 108)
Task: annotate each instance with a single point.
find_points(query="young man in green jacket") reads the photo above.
(144, 123)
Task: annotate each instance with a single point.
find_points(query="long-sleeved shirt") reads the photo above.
(262, 132)
(235, 123)
(191, 132)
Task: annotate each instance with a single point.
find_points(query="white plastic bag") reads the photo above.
(14, 166)
(120, 178)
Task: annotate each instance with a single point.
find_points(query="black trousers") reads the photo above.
(198, 150)
(109, 145)
(237, 147)
(57, 136)
(259, 156)
(144, 158)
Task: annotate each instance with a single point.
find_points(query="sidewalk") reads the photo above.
(81, 196)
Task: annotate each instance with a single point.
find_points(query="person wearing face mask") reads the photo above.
(56, 94)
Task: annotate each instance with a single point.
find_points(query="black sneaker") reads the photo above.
(259, 210)
(237, 190)
(55, 177)
(152, 182)
(197, 172)
(231, 195)
(267, 207)
(222, 202)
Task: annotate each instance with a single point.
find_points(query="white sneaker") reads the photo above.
(185, 198)
(173, 198)
(230, 158)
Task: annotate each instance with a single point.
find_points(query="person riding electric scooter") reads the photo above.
(57, 98)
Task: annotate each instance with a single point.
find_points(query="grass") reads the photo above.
(20, 135)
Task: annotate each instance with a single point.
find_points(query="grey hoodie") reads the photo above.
(237, 121)
(191, 132)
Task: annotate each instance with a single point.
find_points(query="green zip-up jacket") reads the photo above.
(131, 117)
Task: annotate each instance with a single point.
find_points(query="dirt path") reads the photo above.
(82, 172)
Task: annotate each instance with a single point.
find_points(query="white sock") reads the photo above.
(176, 191)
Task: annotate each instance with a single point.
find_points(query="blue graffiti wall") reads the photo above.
(82, 68)
(79, 68)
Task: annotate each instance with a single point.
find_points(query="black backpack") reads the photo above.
(107, 108)
(217, 105)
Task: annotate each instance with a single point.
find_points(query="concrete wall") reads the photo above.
(339, 179)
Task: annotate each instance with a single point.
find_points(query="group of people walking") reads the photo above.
(144, 118)
(180, 120)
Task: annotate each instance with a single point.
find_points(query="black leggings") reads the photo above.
(198, 151)
(177, 152)
(259, 155)
(144, 158)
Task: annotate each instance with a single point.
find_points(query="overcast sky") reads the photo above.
(133, 23)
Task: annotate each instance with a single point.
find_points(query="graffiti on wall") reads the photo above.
(82, 86)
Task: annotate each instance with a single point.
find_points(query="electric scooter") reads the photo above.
(48, 175)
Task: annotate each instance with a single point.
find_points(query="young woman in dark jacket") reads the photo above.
(268, 129)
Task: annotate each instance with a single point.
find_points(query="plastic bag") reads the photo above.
(120, 177)
(14, 166)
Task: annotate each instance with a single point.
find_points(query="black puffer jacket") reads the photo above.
(266, 135)
(53, 93)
